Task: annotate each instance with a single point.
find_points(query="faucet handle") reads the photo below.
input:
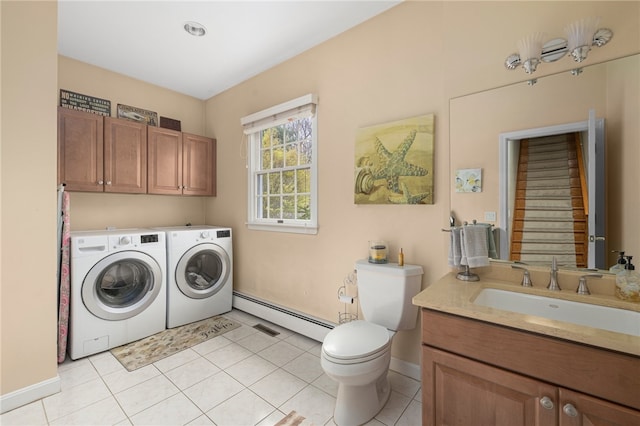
(582, 283)
(526, 278)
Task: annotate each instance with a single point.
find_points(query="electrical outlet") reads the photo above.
(490, 216)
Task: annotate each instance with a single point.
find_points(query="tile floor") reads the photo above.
(244, 377)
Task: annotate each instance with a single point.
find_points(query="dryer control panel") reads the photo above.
(224, 234)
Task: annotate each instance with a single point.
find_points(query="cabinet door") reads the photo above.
(164, 161)
(577, 409)
(80, 150)
(125, 156)
(199, 165)
(458, 391)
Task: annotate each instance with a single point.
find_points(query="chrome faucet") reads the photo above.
(553, 279)
(582, 283)
(526, 278)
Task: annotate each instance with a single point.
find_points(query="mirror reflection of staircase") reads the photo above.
(551, 207)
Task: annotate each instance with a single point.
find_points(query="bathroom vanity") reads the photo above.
(489, 366)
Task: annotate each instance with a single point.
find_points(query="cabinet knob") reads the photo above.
(100, 182)
(570, 410)
(546, 402)
(108, 182)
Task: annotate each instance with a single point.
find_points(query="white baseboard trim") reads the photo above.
(406, 368)
(29, 394)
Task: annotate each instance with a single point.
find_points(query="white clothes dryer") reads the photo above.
(118, 288)
(200, 268)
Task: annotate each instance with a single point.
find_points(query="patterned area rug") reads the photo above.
(160, 345)
(294, 419)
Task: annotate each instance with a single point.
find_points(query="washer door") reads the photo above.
(122, 285)
(203, 271)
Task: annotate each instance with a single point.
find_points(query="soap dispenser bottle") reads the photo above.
(628, 282)
(619, 266)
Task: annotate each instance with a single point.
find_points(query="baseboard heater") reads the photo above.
(304, 324)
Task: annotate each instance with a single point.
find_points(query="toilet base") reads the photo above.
(356, 405)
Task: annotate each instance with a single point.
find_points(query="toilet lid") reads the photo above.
(355, 339)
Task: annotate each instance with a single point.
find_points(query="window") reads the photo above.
(282, 154)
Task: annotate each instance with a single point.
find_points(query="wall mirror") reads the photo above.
(486, 124)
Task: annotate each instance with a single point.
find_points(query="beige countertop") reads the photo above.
(456, 297)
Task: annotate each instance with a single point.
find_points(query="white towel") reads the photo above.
(455, 247)
(474, 246)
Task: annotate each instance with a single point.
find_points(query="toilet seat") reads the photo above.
(356, 342)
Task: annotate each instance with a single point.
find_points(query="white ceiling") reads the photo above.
(146, 39)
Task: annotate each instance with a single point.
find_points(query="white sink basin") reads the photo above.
(602, 317)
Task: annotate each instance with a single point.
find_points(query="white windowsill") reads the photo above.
(283, 227)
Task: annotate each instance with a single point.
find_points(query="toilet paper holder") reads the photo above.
(344, 297)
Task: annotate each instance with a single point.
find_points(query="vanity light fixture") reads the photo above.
(195, 29)
(581, 36)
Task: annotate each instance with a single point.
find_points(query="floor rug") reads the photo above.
(168, 342)
(294, 419)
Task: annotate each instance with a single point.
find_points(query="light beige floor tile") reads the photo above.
(105, 412)
(272, 419)
(176, 360)
(28, 415)
(213, 390)
(203, 420)
(83, 373)
(229, 355)
(412, 415)
(106, 363)
(257, 341)
(240, 333)
(278, 387)
(192, 372)
(393, 409)
(403, 384)
(234, 410)
(123, 379)
(301, 342)
(311, 403)
(75, 398)
(142, 396)
(281, 353)
(250, 370)
(175, 410)
(306, 366)
(326, 384)
(211, 345)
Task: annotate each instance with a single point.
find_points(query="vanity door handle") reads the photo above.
(546, 402)
(570, 410)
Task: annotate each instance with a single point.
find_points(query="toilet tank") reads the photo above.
(385, 292)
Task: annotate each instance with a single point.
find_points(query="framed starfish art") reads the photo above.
(394, 162)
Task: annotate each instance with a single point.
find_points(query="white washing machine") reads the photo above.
(200, 273)
(118, 288)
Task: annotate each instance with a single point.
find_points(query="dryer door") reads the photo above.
(203, 271)
(122, 285)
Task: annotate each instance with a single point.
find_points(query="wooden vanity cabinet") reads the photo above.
(479, 373)
(101, 154)
(181, 163)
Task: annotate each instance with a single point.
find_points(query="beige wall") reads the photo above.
(28, 176)
(405, 62)
(98, 211)
(408, 61)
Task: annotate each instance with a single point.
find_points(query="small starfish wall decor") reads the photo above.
(394, 162)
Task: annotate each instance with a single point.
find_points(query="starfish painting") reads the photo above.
(393, 164)
(407, 197)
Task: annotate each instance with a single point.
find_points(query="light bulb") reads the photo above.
(580, 37)
(530, 49)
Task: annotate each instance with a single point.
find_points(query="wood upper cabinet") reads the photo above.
(199, 165)
(101, 154)
(125, 156)
(80, 150)
(181, 163)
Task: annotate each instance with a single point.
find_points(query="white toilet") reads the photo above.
(357, 354)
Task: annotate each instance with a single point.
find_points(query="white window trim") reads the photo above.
(304, 106)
